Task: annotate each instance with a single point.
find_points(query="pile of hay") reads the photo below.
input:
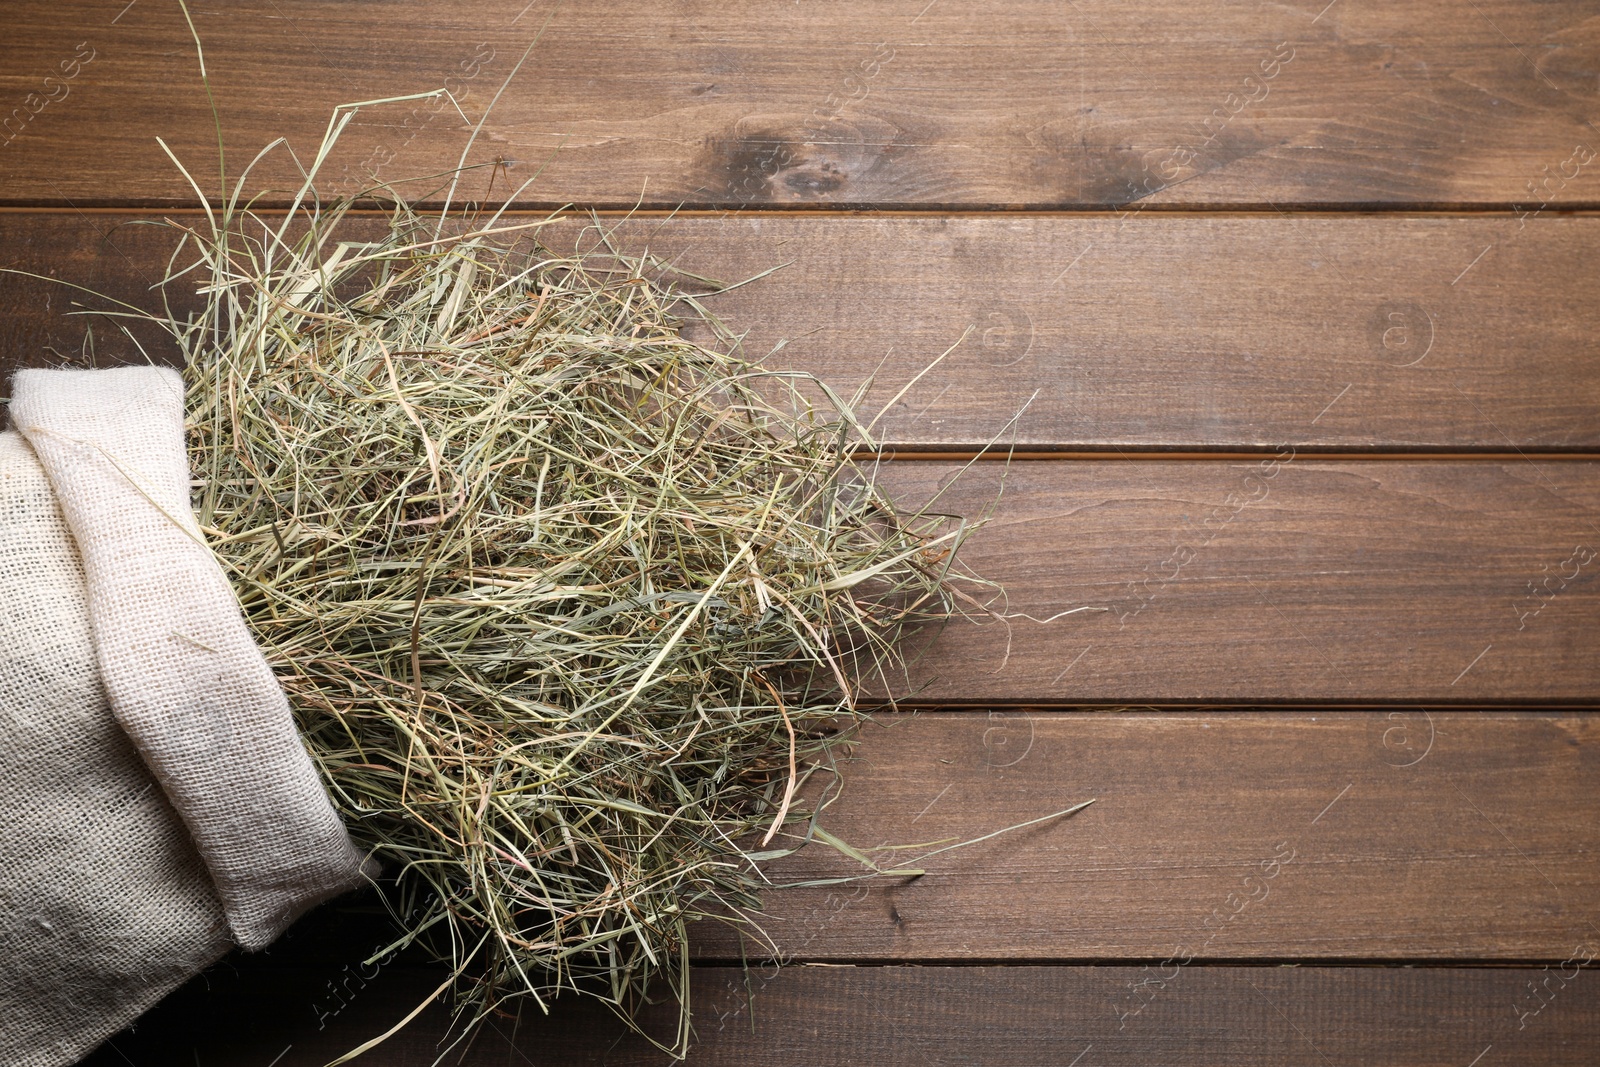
(566, 604)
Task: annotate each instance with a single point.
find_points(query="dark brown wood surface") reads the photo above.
(1222, 835)
(1082, 1017)
(1308, 581)
(1369, 267)
(1322, 332)
(1023, 103)
(1077, 1016)
(1196, 1016)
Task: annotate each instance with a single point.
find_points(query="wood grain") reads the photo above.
(1372, 582)
(1404, 835)
(1161, 332)
(1023, 103)
(995, 1016)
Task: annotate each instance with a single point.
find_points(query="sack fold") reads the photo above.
(157, 795)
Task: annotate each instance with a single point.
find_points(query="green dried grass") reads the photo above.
(567, 606)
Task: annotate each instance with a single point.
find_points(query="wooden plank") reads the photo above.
(1283, 580)
(997, 1016)
(1354, 333)
(1403, 835)
(1018, 103)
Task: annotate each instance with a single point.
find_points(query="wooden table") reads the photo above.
(1288, 311)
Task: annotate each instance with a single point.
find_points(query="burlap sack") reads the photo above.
(127, 867)
(104, 903)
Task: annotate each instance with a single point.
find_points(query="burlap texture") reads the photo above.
(183, 674)
(104, 903)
